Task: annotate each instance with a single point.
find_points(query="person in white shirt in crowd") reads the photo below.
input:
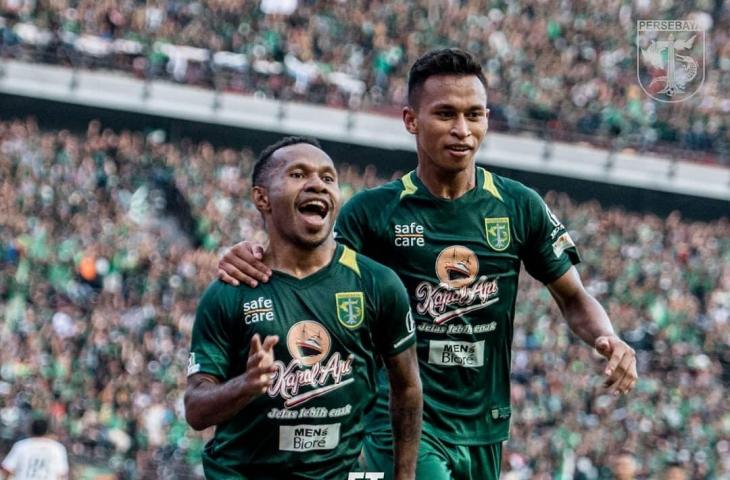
(38, 457)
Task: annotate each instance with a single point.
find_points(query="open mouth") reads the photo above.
(457, 271)
(315, 209)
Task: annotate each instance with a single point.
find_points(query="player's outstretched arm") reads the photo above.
(242, 264)
(209, 402)
(406, 411)
(587, 319)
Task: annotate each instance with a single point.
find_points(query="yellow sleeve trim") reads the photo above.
(410, 187)
(349, 259)
(489, 184)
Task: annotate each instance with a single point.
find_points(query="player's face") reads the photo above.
(449, 121)
(304, 196)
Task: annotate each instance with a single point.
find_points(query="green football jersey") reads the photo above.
(331, 326)
(460, 261)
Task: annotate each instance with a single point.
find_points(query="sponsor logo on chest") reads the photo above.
(306, 438)
(258, 310)
(457, 268)
(308, 375)
(452, 353)
(409, 235)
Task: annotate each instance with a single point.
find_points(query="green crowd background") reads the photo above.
(107, 239)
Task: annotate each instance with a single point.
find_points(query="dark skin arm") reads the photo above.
(208, 401)
(587, 319)
(242, 264)
(406, 411)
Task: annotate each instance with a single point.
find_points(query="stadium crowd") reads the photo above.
(356, 54)
(99, 280)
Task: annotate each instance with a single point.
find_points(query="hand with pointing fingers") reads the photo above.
(621, 368)
(260, 364)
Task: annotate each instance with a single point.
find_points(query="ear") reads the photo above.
(409, 120)
(260, 198)
(487, 129)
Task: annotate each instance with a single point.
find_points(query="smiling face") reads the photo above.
(449, 120)
(300, 198)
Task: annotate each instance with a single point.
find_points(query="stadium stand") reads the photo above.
(355, 54)
(108, 237)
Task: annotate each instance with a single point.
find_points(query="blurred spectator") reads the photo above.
(36, 457)
(623, 466)
(563, 69)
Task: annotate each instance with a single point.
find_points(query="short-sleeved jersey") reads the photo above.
(460, 261)
(37, 458)
(331, 327)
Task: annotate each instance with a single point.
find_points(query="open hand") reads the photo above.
(621, 368)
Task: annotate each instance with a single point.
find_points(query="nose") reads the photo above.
(460, 128)
(315, 184)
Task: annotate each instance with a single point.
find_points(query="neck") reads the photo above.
(295, 260)
(446, 184)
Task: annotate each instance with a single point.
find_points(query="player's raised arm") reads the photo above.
(406, 410)
(209, 402)
(587, 319)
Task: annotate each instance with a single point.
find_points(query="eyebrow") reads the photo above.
(306, 166)
(453, 107)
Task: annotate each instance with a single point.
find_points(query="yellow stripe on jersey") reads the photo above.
(489, 184)
(349, 259)
(408, 184)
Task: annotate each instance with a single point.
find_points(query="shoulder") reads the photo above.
(515, 195)
(509, 188)
(222, 298)
(383, 194)
(23, 444)
(376, 275)
(53, 444)
(218, 290)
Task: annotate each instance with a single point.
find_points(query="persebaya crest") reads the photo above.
(498, 234)
(350, 308)
(670, 59)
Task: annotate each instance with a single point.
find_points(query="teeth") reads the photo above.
(317, 203)
(321, 207)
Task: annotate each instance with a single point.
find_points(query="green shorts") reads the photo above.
(437, 460)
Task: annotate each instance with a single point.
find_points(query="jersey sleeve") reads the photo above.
(394, 329)
(62, 459)
(549, 251)
(10, 463)
(212, 332)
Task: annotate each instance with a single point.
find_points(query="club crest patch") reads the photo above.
(350, 308)
(498, 232)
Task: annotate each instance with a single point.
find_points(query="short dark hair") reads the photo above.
(260, 168)
(445, 61)
(39, 427)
